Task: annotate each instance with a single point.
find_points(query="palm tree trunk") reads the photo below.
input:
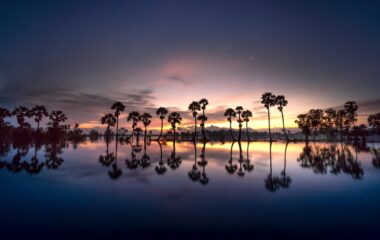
(232, 135)
(195, 128)
(246, 126)
(203, 125)
(270, 133)
(117, 126)
(38, 125)
(283, 127)
(145, 135)
(162, 126)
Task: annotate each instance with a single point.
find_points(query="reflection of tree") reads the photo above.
(375, 157)
(108, 158)
(174, 161)
(160, 168)
(5, 147)
(194, 173)
(285, 180)
(247, 165)
(35, 166)
(271, 182)
(240, 171)
(53, 151)
(203, 177)
(115, 171)
(231, 168)
(333, 159)
(145, 159)
(132, 163)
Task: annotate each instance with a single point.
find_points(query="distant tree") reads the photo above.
(239, 110)
(108, 119)
(281, 102)
(230, 113)
(118, 107)
(56, 117)
(203, 102)
(174, 118)
(339, 122)
(246, 115)
(316, 118)
(268, 100)
(38, 112)
(194, 107)
(328, 122)
(21, 113)
(351, 109)
(146, 119)
(133, 117)
(360, 131)
(304, 123)
(374, 123)
(161, 112)
(4, 113)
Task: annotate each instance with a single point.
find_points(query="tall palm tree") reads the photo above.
(174, 118)
(203, 102)
(239, 110)
(246, 115)
(268, 100)
(118, 107)
(194, 107)
(38, 112)
(133, 117)
(203, 119)
(21, 112)
(230, 113)
(281, 102)
(108, 119)
(162, 112)
(146, 119)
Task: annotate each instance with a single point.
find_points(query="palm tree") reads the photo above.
(239, 110)
(174, 118)
(268, 100)
(146, 119)
(203, 119)
(231, 168)
(4, 113)
(203, 102)
(162, 112)
(56, 117)
(133, 117)
(110, 120)
(304, 123)
(21, 112)
(246, 115)
(160, 168)
(351, 109)
(38, 112)
(194, 107)
(118, 107)
(230, 113)
(194, 174)
(281, 102)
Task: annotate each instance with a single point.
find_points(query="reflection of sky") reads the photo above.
(81, 188)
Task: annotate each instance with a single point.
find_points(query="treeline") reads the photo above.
(337, 123)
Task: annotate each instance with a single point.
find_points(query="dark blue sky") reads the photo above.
(150, 53)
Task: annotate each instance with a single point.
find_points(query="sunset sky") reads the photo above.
(81, 56)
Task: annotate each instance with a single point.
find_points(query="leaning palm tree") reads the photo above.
(108, 119)
(194, 107)
(239, 110)
(268, 100)
(281, 102)
(133, 117)
(162, 112)
(118, 107)
(203, 102)
(174, 118)
(146, 119)
(246, 115)
(38, 112)
(230, 113)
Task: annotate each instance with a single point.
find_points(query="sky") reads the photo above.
(81, 56)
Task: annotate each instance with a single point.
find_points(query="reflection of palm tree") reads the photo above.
(174, 161)
(133, 117)
(145, 159)
(174, 119)
(247, 163)
(146, 119)
(271, 183)
(268, 100)
(240, 171)
(34, 166)
(161, 111)
(285, 180)
(110, 120)
(4, 113)
(375, 157)
(203, 163)
(194, 173)
(118, 107)
(21, 112)
(133, 163)
(160, 168)
(246, 115)
(230, 113)
(52, 154)
(239, 110)
(194, 107)
(203, 102)
(231, 168)
(115, 171)
(109, 158)
(38, 112)
(281, 102)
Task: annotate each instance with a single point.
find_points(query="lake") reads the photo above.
(182, 190)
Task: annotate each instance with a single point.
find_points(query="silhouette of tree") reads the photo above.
(53, 150)
(194, 174)
(133, 163)
(360, 131)
(230, 113)
(316, 117)
(375, 157)
(194, 107)
(247, 165)
(4, 113)
(203, 163)
(285, 180)
(146, 119)
(138, 132)
(239, 110)
(160, 168)
(246, 115)
(133, 117)
(110, 120)
(304, 123)
(174, 161)
(161, 112)
(118, 107)
(373, 122)
(35, 166)
(328, 123)
(271, 182)
(281, 102)
(21, 112)
(268, 100)
(56, 117)
(240, 171)
(115, 171)
(203, 102)
(38, 112)
(231, 168)
(339, 122)
(174, 118)
(351, 109)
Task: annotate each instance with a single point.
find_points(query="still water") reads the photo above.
(191, 191)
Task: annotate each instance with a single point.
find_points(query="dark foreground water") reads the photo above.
(322, 190)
